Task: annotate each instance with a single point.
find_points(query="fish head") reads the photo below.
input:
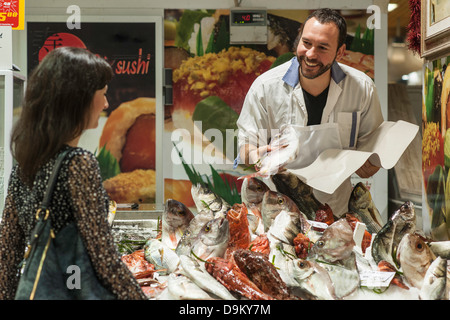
(336, 242)
(273, 202)
(360, 197)
(413, 250)
(254, 189)
(204, 198)
(237, 213)
(212, 239)
(406, 212)
(301, 269)
(176, 214)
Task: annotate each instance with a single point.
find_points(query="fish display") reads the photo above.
(174, 222)
(289, 184)
(252, 193)
(361, 204)
(223, 254)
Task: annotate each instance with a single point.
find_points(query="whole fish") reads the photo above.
(362, 205)
(414, 257)
(174, 221)
(185, 243)
(161, 256)
(212, 240)
(313, 278)
(336, 243)
(228, 274)
(273, 203)
(252, 193)
(386, 241)
(435, 281)
(289, 184)
(262, 273)
(198, 274)
(180, 287)
(205, 199)
(440, 248)
(283, 149)
(239, 228)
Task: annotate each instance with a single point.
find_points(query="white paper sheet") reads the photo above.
(383, 148)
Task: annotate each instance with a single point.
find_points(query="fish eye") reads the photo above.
(419, 246)
(280, 200)
(301, 264)
(207, 228)
(320, 243)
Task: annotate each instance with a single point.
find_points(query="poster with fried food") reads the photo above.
(124, 141)
(210, 78)
(436, 148)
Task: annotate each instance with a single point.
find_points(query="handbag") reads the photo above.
(57, 266)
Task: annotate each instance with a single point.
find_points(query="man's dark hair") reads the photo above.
(327, 15)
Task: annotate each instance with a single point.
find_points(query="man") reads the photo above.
(313, 90)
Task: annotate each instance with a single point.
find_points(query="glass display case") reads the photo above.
(12, 86)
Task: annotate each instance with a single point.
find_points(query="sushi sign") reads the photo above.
(12, 13)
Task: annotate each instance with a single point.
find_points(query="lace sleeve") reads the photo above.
(91, 205)
(12, 245)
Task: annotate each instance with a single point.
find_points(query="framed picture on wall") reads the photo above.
(435, 28)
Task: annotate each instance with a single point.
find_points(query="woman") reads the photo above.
(65, 95)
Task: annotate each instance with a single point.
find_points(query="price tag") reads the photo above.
(376, 279)
(317, 224)
(12, 13)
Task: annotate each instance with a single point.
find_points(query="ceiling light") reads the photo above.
(392, 6)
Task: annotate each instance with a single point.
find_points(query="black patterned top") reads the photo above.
(78, 196)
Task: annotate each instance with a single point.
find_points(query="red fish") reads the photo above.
(260, 244)
(229, 275)
(387, 267)
(137, 264)
(302, 245)
(324, 214)
(239, 232)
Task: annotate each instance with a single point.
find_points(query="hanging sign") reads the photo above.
(12, 13)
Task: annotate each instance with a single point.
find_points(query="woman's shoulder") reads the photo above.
(80, 156)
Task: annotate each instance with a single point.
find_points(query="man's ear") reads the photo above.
(340, 52)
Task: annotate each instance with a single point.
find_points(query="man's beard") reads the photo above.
(322, 68)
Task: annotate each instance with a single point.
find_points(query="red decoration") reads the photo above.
(413, 28)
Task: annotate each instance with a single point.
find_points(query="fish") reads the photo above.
(252, 193)
(198, 274)
(180, 287)
(184, 245)
(367, 238)
(262, 273)
(205, 199)
(414, 258)
(138, 265)
(239, 228)
(435, 281)
(212, 240)
(362, 205)
(302, 245)
(174, 222)
(228, 274)
(386, 241)
(302, 194)
(283, 148)
(280, 255)
(325, 215)
(335, 244)
(440, 248)
(260, 244)
(161, 256)
(313, 278)
(273, 203)
(286, 226)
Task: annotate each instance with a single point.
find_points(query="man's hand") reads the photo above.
(252, 154)
(367, 170)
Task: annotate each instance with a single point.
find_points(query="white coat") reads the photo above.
(276, 98)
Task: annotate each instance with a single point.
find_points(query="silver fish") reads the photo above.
(184, 245)
(175, 219)
(205, 199)
(362, 205)
(212, 239)
(197, 273)
(335, 244)
(435, 281)
(289, 184)
(311, 277)
(286, 226)
(161, 256)
(386, 241)
(273, 203)
(414, 258)
(440, 248)
(180, 287)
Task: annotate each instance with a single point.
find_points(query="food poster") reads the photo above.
(436, 148)
(124, 141)
(210, 78)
